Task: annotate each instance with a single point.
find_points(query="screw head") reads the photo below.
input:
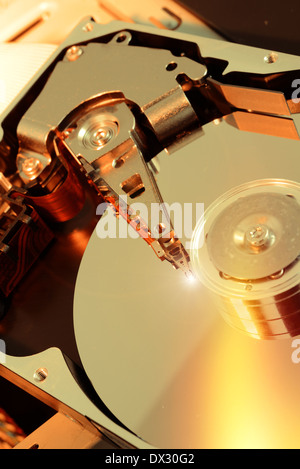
(88, 28)
(31, 167)
(40, 375)
(73, 53)
(95, 135)
(257, 236)
(271, 58)
(101, 137)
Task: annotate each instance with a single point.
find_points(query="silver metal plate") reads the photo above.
(154, 346)
(257, 235)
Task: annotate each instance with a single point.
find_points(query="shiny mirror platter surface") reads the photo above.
(153, 345)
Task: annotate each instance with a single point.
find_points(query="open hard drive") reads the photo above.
(150, 232)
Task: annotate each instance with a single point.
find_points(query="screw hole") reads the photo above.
(121, 38)
(171, 66)
(118, 163)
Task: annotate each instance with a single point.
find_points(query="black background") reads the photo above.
(273, 25)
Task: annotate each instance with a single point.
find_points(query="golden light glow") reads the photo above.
(252, 393)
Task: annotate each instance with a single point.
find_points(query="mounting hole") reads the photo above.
(121, 38)
(171, 66)
(118, 163)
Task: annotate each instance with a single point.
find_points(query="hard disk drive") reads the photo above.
(150, 235)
